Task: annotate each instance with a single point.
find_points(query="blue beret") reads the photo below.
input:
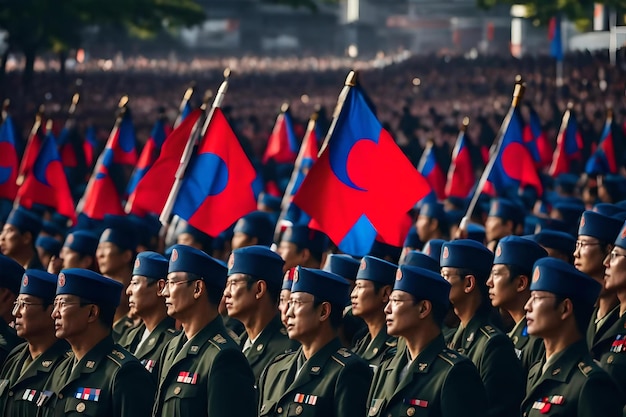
(506, 209)
(570, 212)
(376, 269)
(83, 242)
(435, 210)
(258, 261)
(145, 228)
(548, 223)
(385, 250)
(553, 239)
(197, 234)
(188, 259)
(412, 240)
(567, 182)
(325, 286)
(607, 209)
(39, 284)
(432, 248)
(151, 265)
(454, 217)
(306, 238)
(90, 286)
(621, 204)
(603, 228)
(10, 274)
(421, 260)
(519, 252)
(270, 201)
(49, 244)
(257, 224)
(52, 228)
(467, 254)
(423, 284)
(476, 232)
(288, 279)
(25, 221)
(560, 278)
(621, 237)
(615, 186)
(120, 231)
(343, 265)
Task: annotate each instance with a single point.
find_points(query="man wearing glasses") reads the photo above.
(99, 378)
(202, 371)
(566, 382)
(27, 369)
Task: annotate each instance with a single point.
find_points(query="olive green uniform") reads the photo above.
(272, 342)
(22, 380)
(572, 385)
(598, 340)
(439, 382)
(332, 383)
(529, 349)
(614, 360)
(374, 352)
(108, 381)
(205, 376)
(493, 355)
(150, 350)
(121, 328)
(9, 340)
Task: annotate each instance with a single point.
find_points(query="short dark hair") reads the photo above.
(516, 271)
(273, 289)
(214, 293)
(336, 312)
(582, 312)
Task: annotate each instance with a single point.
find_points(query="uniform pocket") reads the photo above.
(77, 407)
(301, 410)
(181, 400)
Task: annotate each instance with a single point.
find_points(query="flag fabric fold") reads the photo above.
(461, 177)
(536, 141)
(430, 168)
(604, 161)
(282, 145)
(8, 159)
(555, 37)
(569, 146)
(149, 154)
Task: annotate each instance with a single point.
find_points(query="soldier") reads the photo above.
(28, 368)
(18, 238)
(509, 290)
(79, 250)
(421, 260)
(559, 245)
(302, 246)
(321, 378)
(47, 248)
(202, 370)
(147, 340)
(432, 222)
(256, 228)
(424, 374)
(190, 236)
(432, 248)
(566, 382)
(285, 293)
(10, 280)
(504, 219)
(369, 297)
(100, 378)
(252, 291)
(466, 264)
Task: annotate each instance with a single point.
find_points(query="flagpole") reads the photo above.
(194, 138)
(284, 204)
(427, 150)
(350, 82)
(33, 132)
(5, 109)
(121, 111)
(183, 103)
(561, 137)
(518, 94)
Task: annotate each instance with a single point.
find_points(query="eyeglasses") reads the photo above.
(62, 304)
(580, 244)
(297, 303)
(231, 283)
(169, 283)
(613, 255)
(20, 304)
(534, 297)
(397, 301)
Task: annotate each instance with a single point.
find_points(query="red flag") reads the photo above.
(461, 176)
(431, 170)
(282, 145)
(536, 141)
(32, 150)
(8, 160)
(569, 145)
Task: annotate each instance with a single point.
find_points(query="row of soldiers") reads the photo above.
(427, 339)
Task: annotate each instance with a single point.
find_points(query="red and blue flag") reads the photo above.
(536, 141)
(282, 145)
(32, 150)
(555, 37)
(8, 159)
(430, 168)
(461, 175)
(149, 153)
(603, 160)
(569, 145)
(90, 145)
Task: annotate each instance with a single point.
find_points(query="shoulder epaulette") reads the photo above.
(282, 356)
(172, 331)
(392, 343)
(341, 355)
(488, 330)
(585, 368)
(117, 357)
(449, 356)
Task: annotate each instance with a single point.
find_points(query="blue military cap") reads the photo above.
(385, 250)
(554, 239)
(288, 279)
(325, 286)
(49, 244)
(258, 261)
(145, 228)
(476, 232)
(567, 182)
(467, 254)
(257, 224)
(560, 278)
(421, 260)
(423, 284)
(25, 221)
(151, 265)
(343, 265)
(507, 210)
(82, 241)
(376, 269)
(603, 228)
(454, 217)
(198, 235)
(433, 247)
(188, 259)
(615, 186)
(10, 274)
(306, 238)
(519, 252)
(435, 210)
(607, 209)
(621, 237)
(412, 239)
(120, 231)
(39, 284)
(270, 201)
(52, 228)
(90, 286)
(570, 212)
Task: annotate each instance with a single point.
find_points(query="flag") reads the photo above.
(32, 149)
(514, 167)
(282, 145)
(8, 159)
(362, 184)
(431, 170)
(123, 142)
(569, 145)
(46, 183)
(536, 141)
(461, 176)
(149, 154)
(220, 184)
(90, 145)
(152, 190)
(603, 160)
(556, 41)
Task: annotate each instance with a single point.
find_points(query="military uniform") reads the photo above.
(107, 381)
(613, 361)
(439, 382)
(150, 350)
(573, 385)
(205, 376)
(121, 329)
(529, 349)
(599, 339)
(376, 351)
(21, 384)
(272, 342)
(500, 370)
(333, 382)
(8, 340)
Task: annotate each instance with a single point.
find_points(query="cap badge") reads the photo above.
(446, 253)
(582, 221)
(174, 256)
(61, 281)
(427, 250)
(363, 265)
(105, 235)
(70, 239)
(137, 263)
(398, 274)
(624, 233)
(499, 251)
(536, 275)
(296, 275)
(25, 280)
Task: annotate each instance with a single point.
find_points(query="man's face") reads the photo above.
(111, 259)
(303, 319)
(240, 300)
(497, 228)
(12, 241)
(283, 305)
(242, 240)
(615, 273)
(425, 227)
(72, 259)
(366, 301)
(290, 254)
(143, 295)
(179, 295)
(31, 318)
(542, 317)
(457, 283)
(400, 312)
(502, 289)
(589, 257)
(70, 318)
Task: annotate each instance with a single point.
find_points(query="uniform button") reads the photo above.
(298, 410)
(10, 393)
(279, 410)
(177, 390)
(60, 396)
(609, 359)
(410, 411)
(80, 407)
